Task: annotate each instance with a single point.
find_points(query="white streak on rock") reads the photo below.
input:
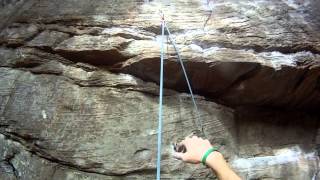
(278, 59)
(44, 115)
(284, 157)
(196, 47)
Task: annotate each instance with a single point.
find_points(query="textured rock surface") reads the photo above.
(79, 94)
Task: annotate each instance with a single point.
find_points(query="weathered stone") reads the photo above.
(17, 35)
(235, 77)
(27, 57)
(272, 142)
(52, 130)
(48, 39)
(100, 115)
(79, 93)
(97, 50)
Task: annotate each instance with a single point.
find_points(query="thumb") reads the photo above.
(178, 155)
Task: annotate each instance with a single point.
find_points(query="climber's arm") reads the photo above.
(219, 165)
(196, 148)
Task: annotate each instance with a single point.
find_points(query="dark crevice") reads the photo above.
(71, 34)
(38, 56)
(8, 159)
(11, 46)
(94, 57)
(221, 95)
(64, 29)
(293, 49)
(96, 31)
(15, 171)
(236, 83)
(300, 80)
(141, 150)
(149, 93)
(259, 49)
(318, 84)
(29, 138)
(35, 150)
(92, 83)
(114, 57)
(46, 49)
(4, 125)
(20, 44)
(34, 35)
(63, 21)
(26, 64)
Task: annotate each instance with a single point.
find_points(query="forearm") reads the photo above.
(219, 165)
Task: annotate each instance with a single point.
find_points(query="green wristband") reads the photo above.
(209, 151)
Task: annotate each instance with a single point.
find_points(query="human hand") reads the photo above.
(195, 148)
(193, 152)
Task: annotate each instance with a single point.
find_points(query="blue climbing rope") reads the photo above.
(198, 122)
(160, 103)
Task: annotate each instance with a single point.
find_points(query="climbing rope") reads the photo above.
(210, 5)
(160, 101)
(198, 121)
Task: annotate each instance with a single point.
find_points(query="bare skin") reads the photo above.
(195, 149)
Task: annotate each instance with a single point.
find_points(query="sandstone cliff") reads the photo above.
(79, 93)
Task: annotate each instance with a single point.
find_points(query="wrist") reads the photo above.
(214, 160)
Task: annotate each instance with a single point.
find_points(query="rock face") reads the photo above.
(79, 93)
